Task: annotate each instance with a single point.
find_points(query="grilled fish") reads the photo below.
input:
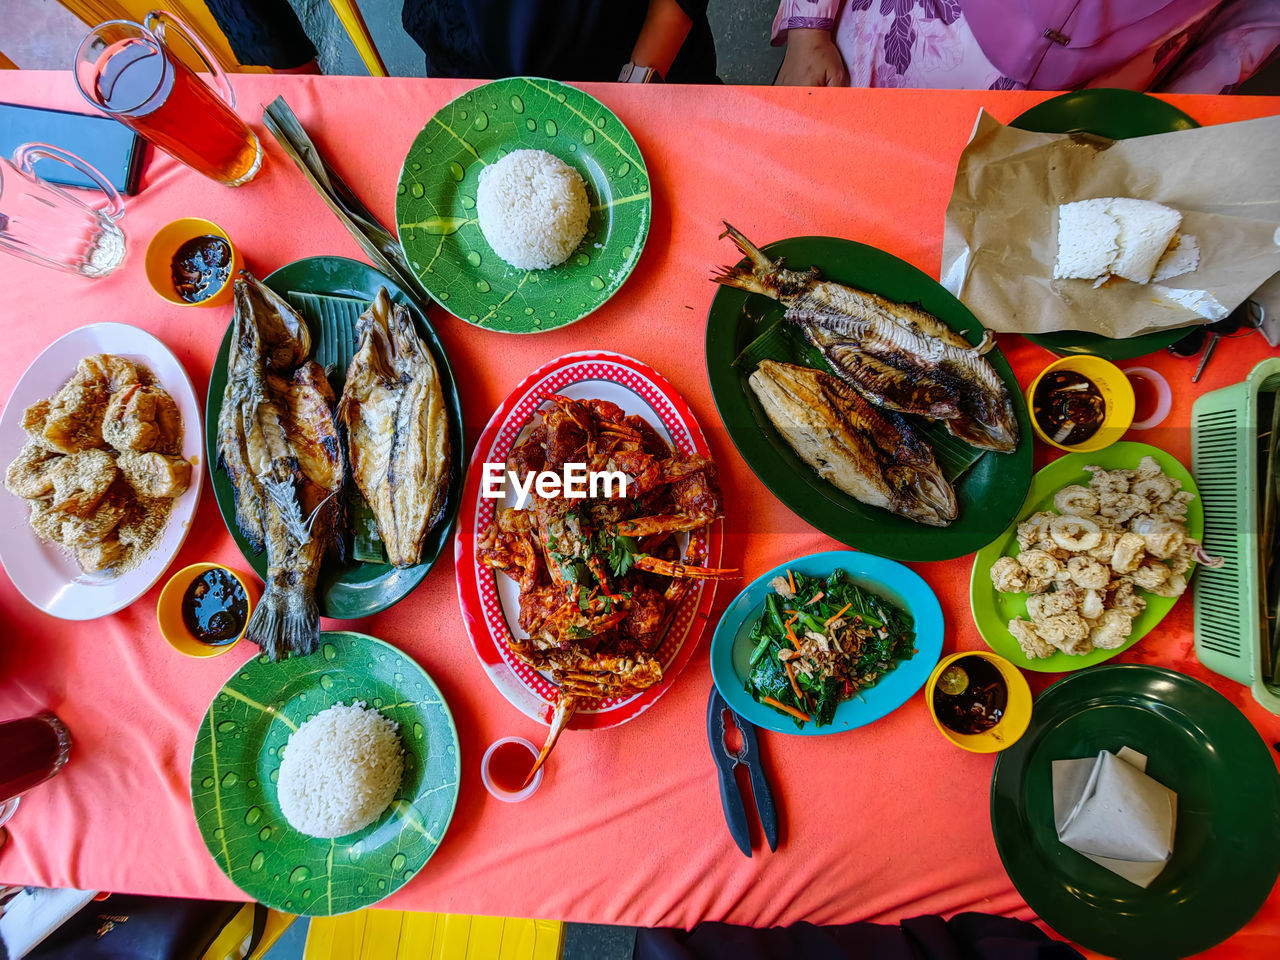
(397, 429)
(870, 454)
(279, 444)
(898, 356)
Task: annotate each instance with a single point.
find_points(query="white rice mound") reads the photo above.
(341, 770)
(532, 208)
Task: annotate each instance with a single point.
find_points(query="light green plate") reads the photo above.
(989, 491)
(354, 589)
(993, 610)
(236, 762)
(436, 204)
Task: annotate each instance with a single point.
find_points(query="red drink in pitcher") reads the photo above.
(127, 71)
(32, 750)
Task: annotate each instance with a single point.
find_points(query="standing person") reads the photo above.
(1187, 46)
(638, 41)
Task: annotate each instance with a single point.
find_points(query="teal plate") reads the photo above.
(989, 492)
(346, 591)
(1117, 115)
(436, 201)
(901, 586)
(236, 762)
(1226, 849)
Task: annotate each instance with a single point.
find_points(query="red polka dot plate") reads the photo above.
(490, 602)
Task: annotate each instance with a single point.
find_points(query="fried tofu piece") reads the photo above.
(85, 531)
(81, 480)
(30, 475)
(141, 418)
(101, 556)
(154, 474)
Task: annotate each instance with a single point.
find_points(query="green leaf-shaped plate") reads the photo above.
(237, 759)
(990, 491)
(993, 610)
(436, 204)
(345, 591)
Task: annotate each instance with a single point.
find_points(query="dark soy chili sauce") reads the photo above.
(1068, 407)
(200, 267)
(214, 608)
(978, 704)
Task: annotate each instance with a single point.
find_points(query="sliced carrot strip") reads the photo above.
(815, 598)
(839, 613)
(798, 714)
(795, 687)
(791, 581)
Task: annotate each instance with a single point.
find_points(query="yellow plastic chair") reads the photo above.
(399, 935)
(231, 940)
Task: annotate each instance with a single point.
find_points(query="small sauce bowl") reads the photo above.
(500, 790)
(169, 610)
(1117, 400)
(164, 247)
(1017, 712)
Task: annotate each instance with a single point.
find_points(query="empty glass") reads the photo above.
(49, 225)
(127, 71)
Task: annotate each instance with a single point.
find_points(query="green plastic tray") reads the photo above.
(1228, 600)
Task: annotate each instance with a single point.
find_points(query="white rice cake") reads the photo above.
(1146, 227)
(1183, 256)
(1121, 236)
(1087, 240)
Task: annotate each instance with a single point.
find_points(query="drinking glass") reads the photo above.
(32, 750)
(45, 224)
(128, 71)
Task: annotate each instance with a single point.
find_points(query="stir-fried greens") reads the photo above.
(820, 641)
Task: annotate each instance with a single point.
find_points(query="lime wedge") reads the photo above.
(954, 680)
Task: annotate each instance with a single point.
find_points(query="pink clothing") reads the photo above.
(1192, 46)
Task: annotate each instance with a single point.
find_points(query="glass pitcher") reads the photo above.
(48, 225)
(128, 71)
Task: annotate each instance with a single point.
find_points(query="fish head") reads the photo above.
(924, 495)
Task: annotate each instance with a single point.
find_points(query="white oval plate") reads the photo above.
(43, 572)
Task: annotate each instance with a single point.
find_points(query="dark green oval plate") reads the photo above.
(990, 492)
(237, 759)
(1119, 115)
(1226, 851)
(346, 591)
(436, 200)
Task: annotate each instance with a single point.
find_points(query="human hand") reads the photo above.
(812, 60)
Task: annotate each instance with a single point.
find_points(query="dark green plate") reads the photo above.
(436, 201)
(236, 763)
(990, 492)
(1226, 851)
(346, 591)
(1119, 115)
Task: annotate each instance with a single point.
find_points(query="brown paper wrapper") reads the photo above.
(1002, 227)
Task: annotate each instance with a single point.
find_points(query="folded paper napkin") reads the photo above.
(1109, 810)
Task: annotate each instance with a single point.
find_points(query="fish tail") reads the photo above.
(286, 621)
(750, 277)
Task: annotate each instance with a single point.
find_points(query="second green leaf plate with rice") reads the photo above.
(236, 763)
(436, 204)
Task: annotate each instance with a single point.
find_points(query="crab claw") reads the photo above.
(669, 568)
(565, 709)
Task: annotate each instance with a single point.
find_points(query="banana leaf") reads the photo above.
(380, 244)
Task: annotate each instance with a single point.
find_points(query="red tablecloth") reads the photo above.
(882, 823)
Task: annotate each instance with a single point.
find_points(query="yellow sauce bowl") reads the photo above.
(1117, 400)
(169, 610)
(1017, 711)
(164, 245)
